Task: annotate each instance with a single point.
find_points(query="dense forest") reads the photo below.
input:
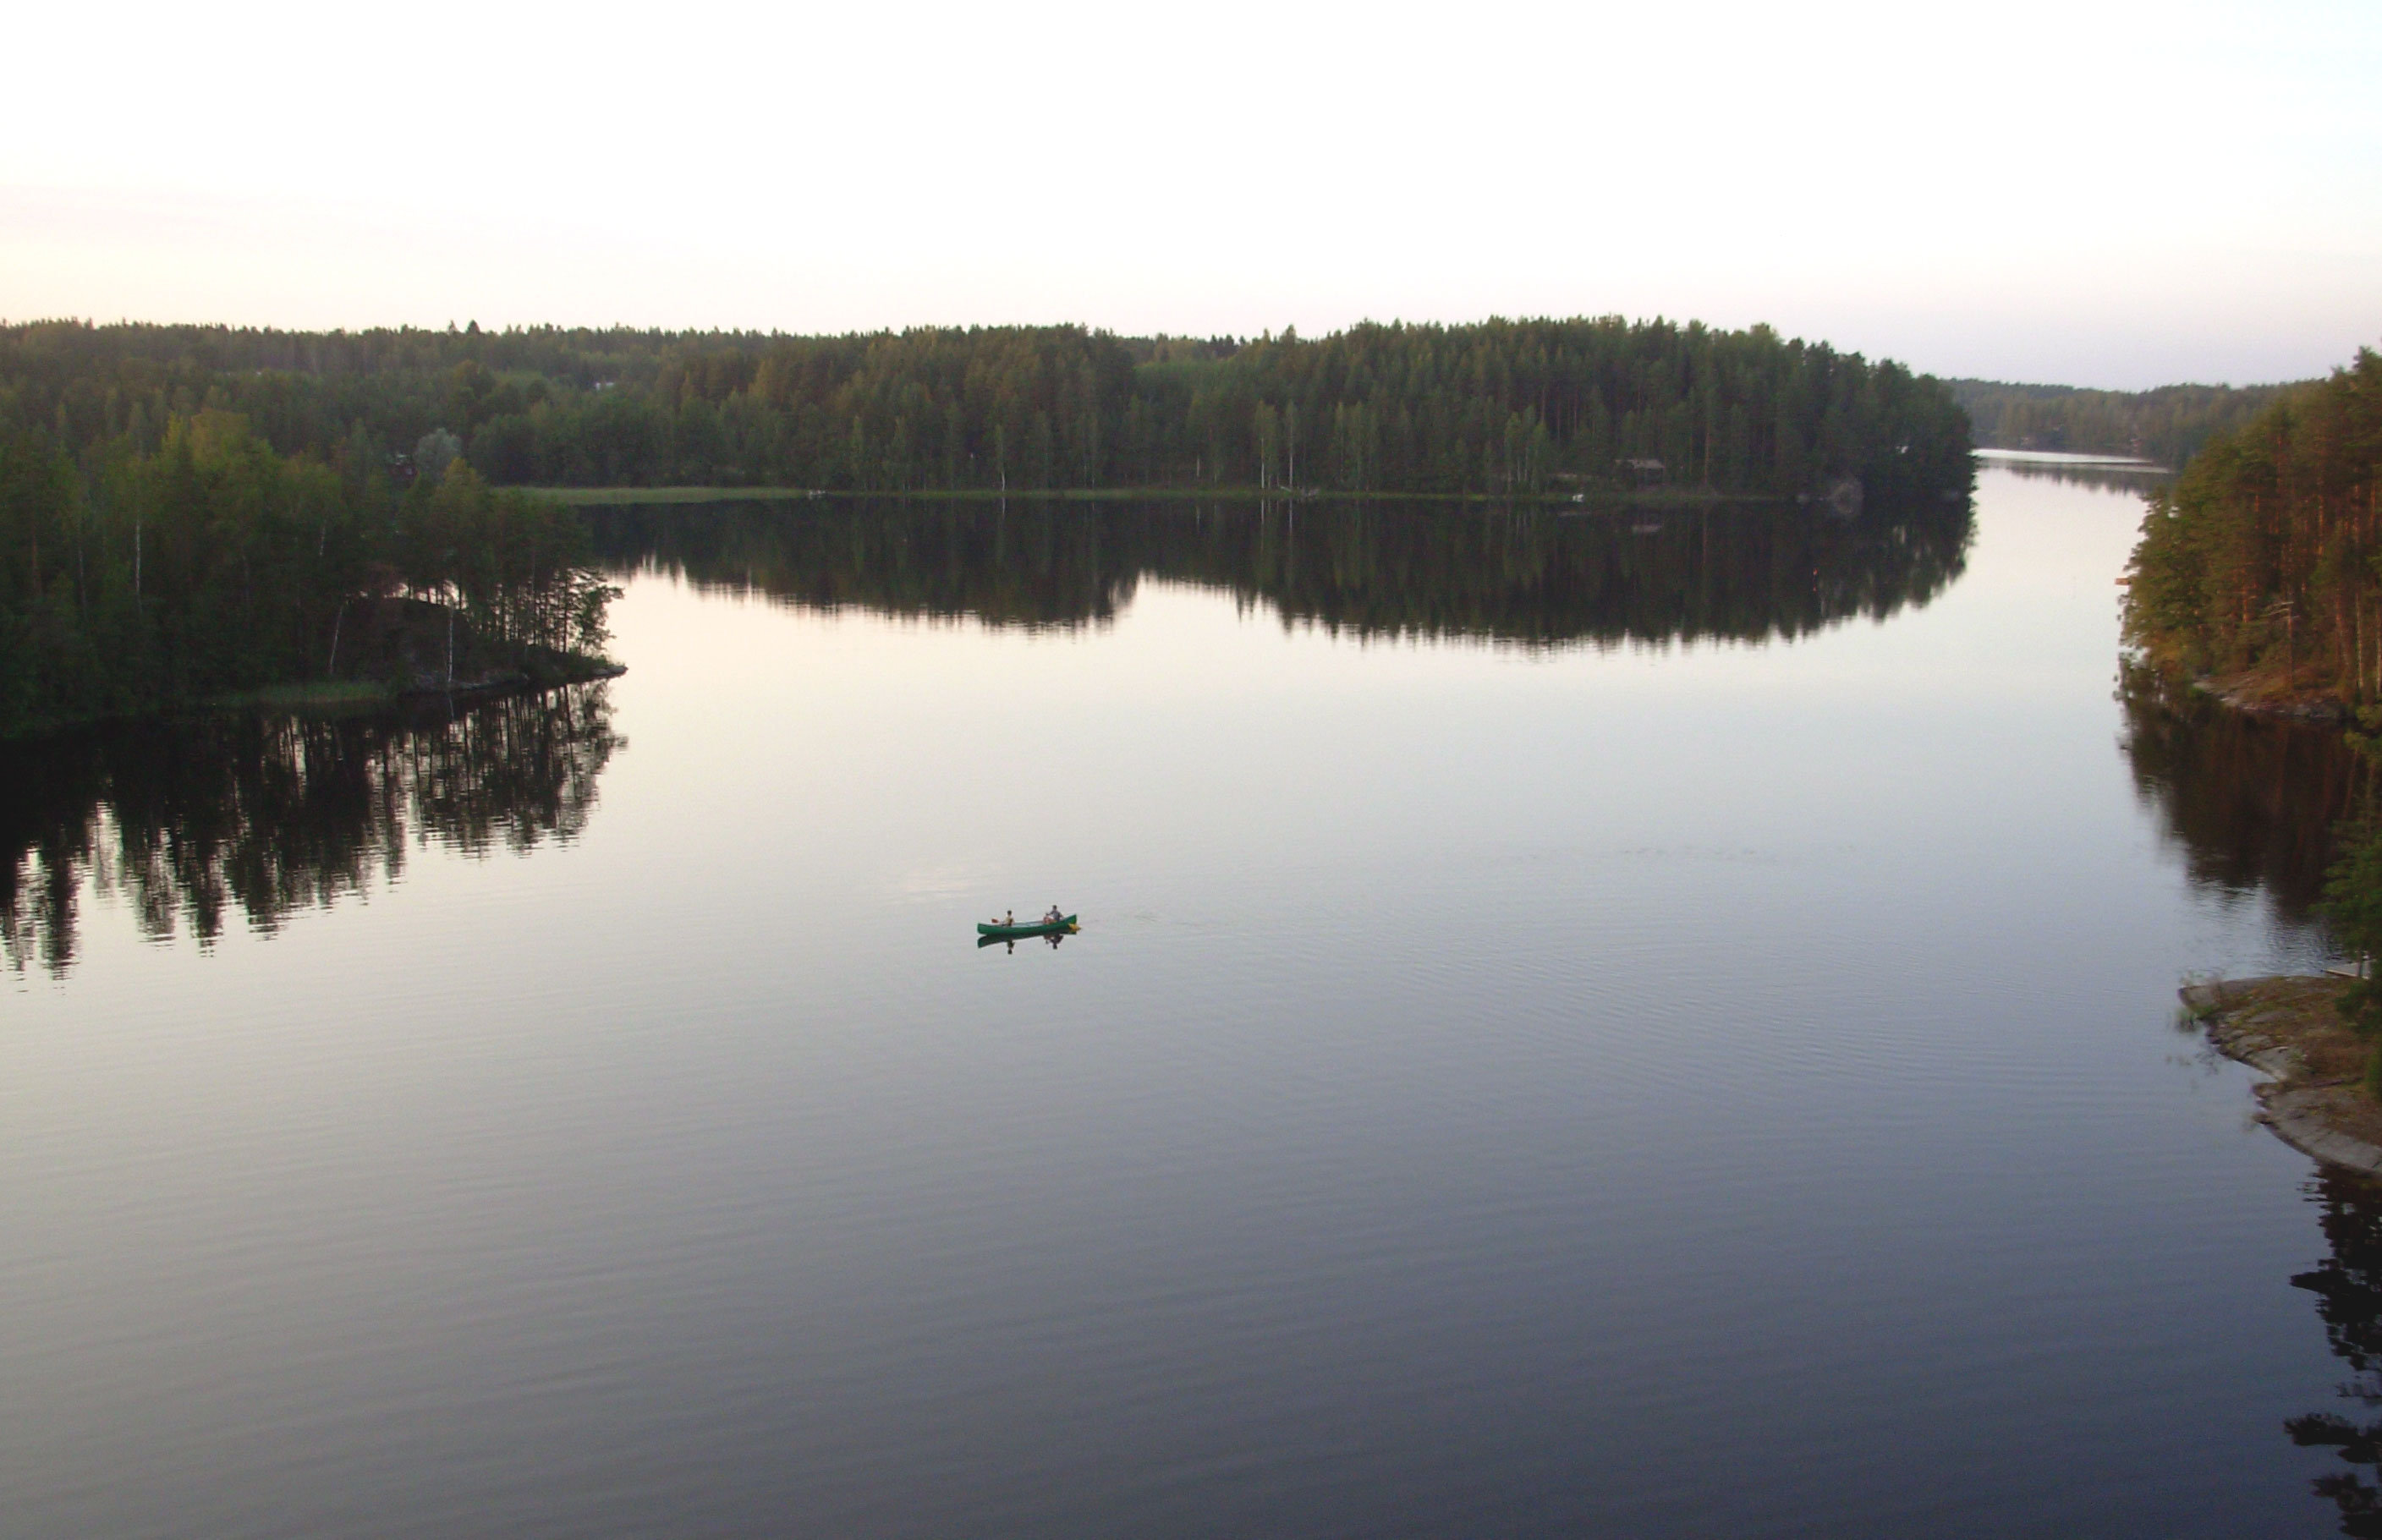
(2167, 425)
(193, 821)
(1503, 408)
(157, 569)
(2266, 552)
(1527, 576)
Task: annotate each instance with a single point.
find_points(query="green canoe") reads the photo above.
(1032, 927)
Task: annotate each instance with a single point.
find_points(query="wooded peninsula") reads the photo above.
(145, 576)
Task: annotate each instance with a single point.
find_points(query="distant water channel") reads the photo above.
(1635, 1025)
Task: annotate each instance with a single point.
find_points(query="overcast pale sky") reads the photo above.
(2099, 194)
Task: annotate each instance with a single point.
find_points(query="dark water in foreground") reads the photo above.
(1579, 1027)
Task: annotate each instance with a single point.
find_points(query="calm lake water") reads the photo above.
(1639, 1026)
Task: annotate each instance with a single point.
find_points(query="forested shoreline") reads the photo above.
(2264, 554)
(2167, 425)
(2259, 575)
(187, 512)
(1502, 408)
(145, 576)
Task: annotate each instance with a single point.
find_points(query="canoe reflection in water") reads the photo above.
(1053, 937)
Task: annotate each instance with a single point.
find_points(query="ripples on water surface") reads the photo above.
(1656, 1027)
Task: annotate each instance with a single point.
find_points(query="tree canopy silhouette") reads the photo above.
(1505, 408)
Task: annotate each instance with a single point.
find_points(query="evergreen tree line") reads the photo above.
(2266, 552)
(141, 576)
(2167, 425)
(1502, 408)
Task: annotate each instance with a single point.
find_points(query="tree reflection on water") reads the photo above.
(2348, 1287)
(187, 820)
(2249, 801)
(1532, 576)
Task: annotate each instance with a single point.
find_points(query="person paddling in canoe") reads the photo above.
(1053, 917)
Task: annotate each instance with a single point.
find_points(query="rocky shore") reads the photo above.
(2276, 693)
(2287, 1027)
